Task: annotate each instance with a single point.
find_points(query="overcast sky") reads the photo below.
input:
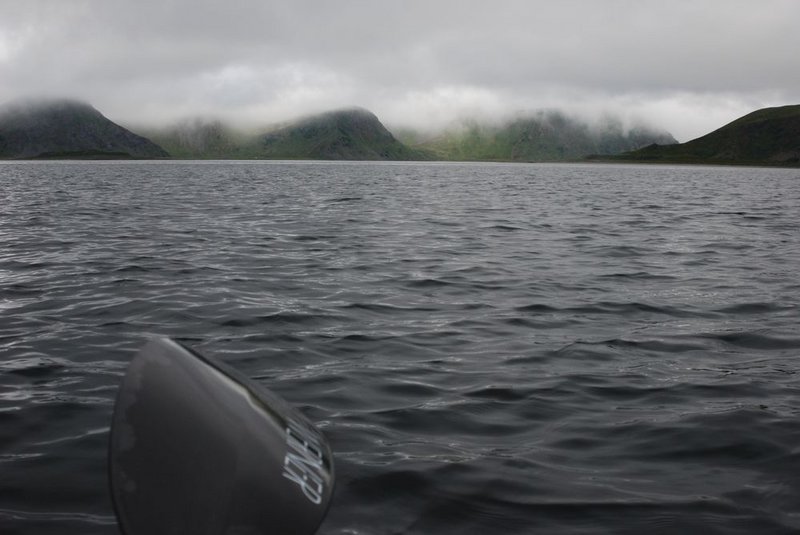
(686, 65)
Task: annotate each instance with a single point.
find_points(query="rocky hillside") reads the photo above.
(67, 129)
(770, 136)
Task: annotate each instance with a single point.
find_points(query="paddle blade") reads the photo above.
(197, 448)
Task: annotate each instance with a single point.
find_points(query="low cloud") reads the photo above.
(686, 66)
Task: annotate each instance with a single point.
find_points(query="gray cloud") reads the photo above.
(687, 65)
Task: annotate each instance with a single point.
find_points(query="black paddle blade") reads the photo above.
(198, 449)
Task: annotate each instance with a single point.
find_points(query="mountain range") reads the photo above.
(72, 129)
(357, 134)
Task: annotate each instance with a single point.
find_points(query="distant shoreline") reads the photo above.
(588, 161)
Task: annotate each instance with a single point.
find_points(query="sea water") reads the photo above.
(489, 348)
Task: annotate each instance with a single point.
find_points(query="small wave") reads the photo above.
(610, 308)
(135, 268)
(529, 323)
(404, 481)
(344, 199)
(619, 251)
(428, 283)
(382, 308)
(36, 365)
(410, 389)
(309, 238)
(538, 308)
(637, 275)
(732, 436)
(502, 227)
(278, 318)
(499, 393)
(755, 340)
(659, 346)
(754, 308)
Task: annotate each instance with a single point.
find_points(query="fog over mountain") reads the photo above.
(684, 66)
(33, 128)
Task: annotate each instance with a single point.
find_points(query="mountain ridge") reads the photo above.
(768, 136)
(344, 134)
(66, 128)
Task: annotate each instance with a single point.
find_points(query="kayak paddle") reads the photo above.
(198, 449)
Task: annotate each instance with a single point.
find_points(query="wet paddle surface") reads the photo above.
(488, 348)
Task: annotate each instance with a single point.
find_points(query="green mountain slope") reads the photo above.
(203, 139)
(768, 136)
(67, 129)
(548, 135)
(352, 134)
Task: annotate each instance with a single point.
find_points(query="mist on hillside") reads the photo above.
(412, 127)
(416, 115)
(430, 114)
(424, 112)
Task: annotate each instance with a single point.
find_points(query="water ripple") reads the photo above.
(489, 348)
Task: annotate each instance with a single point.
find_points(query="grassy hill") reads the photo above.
(203, 139)
(547, 135)
(352, 134)
(67, 129)
(770, 136)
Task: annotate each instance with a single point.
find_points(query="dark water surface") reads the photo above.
(491, 349)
